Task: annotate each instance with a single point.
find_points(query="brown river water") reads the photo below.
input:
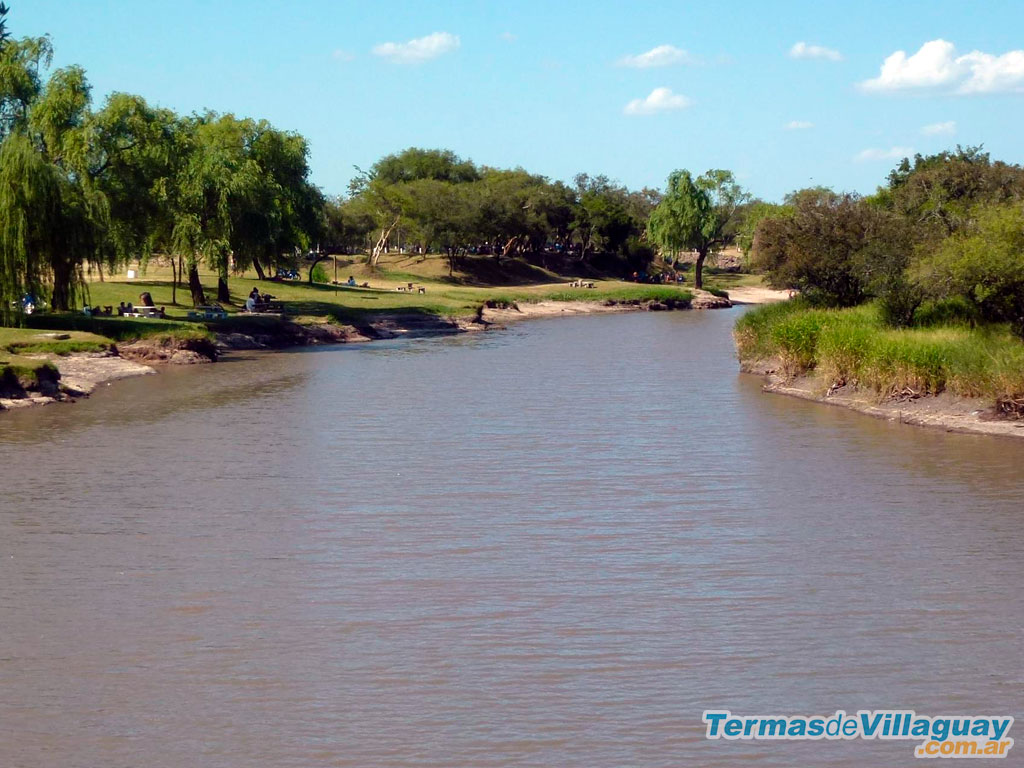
(554, 545)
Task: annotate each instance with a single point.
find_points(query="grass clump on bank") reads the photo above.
(854, 347)
(24, 341)
(18, 375)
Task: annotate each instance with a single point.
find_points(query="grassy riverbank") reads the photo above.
(853, 348)
(457, 297)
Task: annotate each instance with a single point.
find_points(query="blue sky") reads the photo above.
(549, 85)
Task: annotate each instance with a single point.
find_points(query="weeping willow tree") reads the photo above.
(29, 199)
(202, 218)
(46, 229)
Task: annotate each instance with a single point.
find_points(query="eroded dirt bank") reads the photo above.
(944, 411)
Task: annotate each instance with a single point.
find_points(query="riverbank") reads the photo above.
(949, 375)
(83, 361)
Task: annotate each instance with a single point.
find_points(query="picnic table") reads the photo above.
(153, 312)
(207, 313)
(268, 307)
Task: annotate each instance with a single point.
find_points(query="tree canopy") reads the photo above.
(85, 188)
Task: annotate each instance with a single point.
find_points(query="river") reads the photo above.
(554, 545)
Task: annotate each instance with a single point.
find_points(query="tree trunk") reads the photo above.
(223, 295)
(174, 282)
(385, 233)
(61, 298)
(698, 268)
(312, 266)
(258, 267)
(513, 242)
(194, 286)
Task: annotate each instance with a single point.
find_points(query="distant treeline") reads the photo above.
(427, 200)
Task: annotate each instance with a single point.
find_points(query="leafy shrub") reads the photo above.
(956, 310)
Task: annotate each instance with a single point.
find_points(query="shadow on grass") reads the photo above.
(117, 328)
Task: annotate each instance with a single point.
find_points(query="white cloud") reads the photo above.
(893, 153)
(936, 67)
(661, 56)
(947, 128)
(803, 50)
(342, 55)
(798, 125)
(508, 37)
(659, 100)
(419, 50)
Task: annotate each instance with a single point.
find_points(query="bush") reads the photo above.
(984, 265)
(898, 301)
(954, 311)
(319, 274)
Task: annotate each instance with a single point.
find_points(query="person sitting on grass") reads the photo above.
(121, 309)
(351, 281)
(250, 303)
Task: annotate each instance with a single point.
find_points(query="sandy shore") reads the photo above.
(531, 309)
(701, 300)
(81, 374)
(945, 411)
(755, 294)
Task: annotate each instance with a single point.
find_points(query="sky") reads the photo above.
(785, 94)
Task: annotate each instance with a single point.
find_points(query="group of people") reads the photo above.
(256, 302)
(664, 278)
(122, 311)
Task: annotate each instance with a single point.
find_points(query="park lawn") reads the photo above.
(444, 296)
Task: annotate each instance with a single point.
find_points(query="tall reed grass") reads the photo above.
(853, 346)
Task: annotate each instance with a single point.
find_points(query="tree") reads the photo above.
(602, 216)
(443, 214)
(133, 158)
(751, 215)
(985, 264)
(21, 80)
(280, 211)
(836, 249)
(349, 222)
(413, 164)
(696, 214)
(4, 36)
(938, 193)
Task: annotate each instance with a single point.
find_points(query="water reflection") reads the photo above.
(554, 545)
